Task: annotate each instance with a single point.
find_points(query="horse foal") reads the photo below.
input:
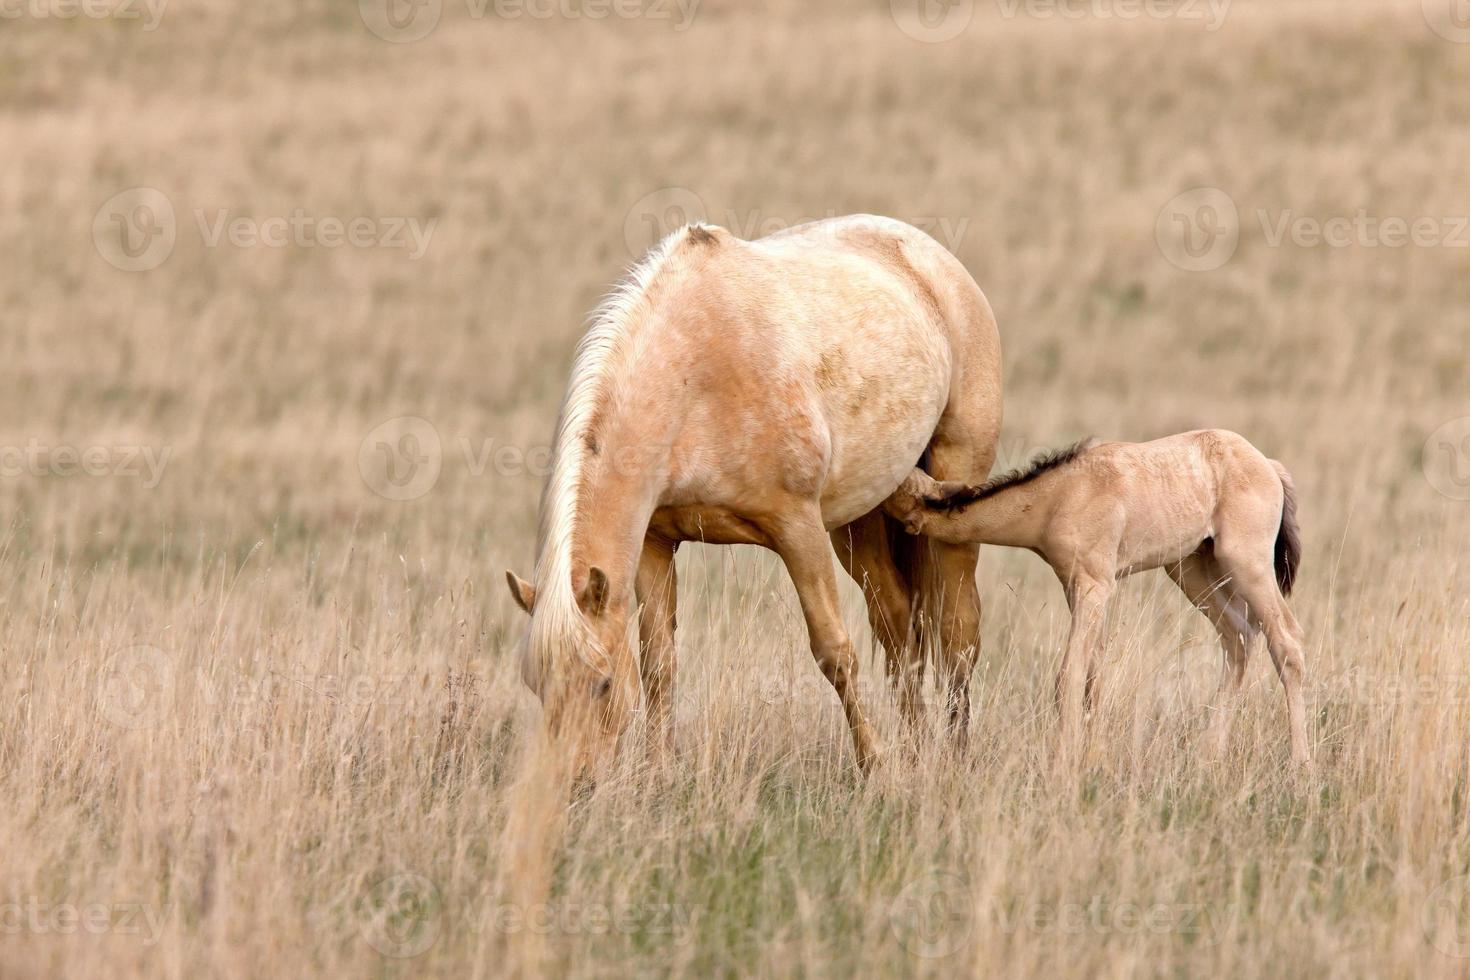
(1207, 507)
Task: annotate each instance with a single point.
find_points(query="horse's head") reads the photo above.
(577, 658)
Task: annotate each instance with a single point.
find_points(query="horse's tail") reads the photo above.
(1289, 538)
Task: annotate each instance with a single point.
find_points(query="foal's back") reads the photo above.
(1162, 499)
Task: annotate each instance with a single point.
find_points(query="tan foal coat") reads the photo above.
(770, 392)
(1205, 506)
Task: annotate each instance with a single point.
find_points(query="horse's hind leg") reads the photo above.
(1209, 590)
(863, 547)
(946, 600)
(801, 541)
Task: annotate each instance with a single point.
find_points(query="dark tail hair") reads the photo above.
(953, 496)
(1289, 538)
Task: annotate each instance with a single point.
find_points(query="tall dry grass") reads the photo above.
(257, 718)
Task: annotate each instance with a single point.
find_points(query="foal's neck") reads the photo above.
(1014, 517)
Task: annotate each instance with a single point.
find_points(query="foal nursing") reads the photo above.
(1207, 507)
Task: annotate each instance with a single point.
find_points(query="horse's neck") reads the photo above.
(620, 478)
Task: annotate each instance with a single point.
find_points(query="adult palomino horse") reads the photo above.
(770, 392)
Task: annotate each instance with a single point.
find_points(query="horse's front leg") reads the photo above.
(657, 590)
(802, 542)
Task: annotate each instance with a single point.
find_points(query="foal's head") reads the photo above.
(576, 656)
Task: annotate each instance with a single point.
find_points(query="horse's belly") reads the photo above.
(878, 437)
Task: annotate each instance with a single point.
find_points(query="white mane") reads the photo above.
(557, 615)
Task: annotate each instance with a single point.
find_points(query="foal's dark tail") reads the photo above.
(1289, 538)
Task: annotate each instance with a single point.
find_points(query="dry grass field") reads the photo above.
(272, 427)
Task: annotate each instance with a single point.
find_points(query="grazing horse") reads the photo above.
(771, 392)
(1206, 506)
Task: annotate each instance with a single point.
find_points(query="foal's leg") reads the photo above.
(1249, 561)
(657, 597)
(801, 541)
(1208, 589)
(1087, 597)
(863, 549)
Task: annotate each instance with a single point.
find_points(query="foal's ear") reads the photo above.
(942, 495)
(593, 597)
(523, 592)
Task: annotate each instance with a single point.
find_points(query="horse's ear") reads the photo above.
(523, 592)
(593, 597)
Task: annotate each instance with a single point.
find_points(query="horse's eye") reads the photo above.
(604, 687)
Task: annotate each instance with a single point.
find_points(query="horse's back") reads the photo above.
(836, 345)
